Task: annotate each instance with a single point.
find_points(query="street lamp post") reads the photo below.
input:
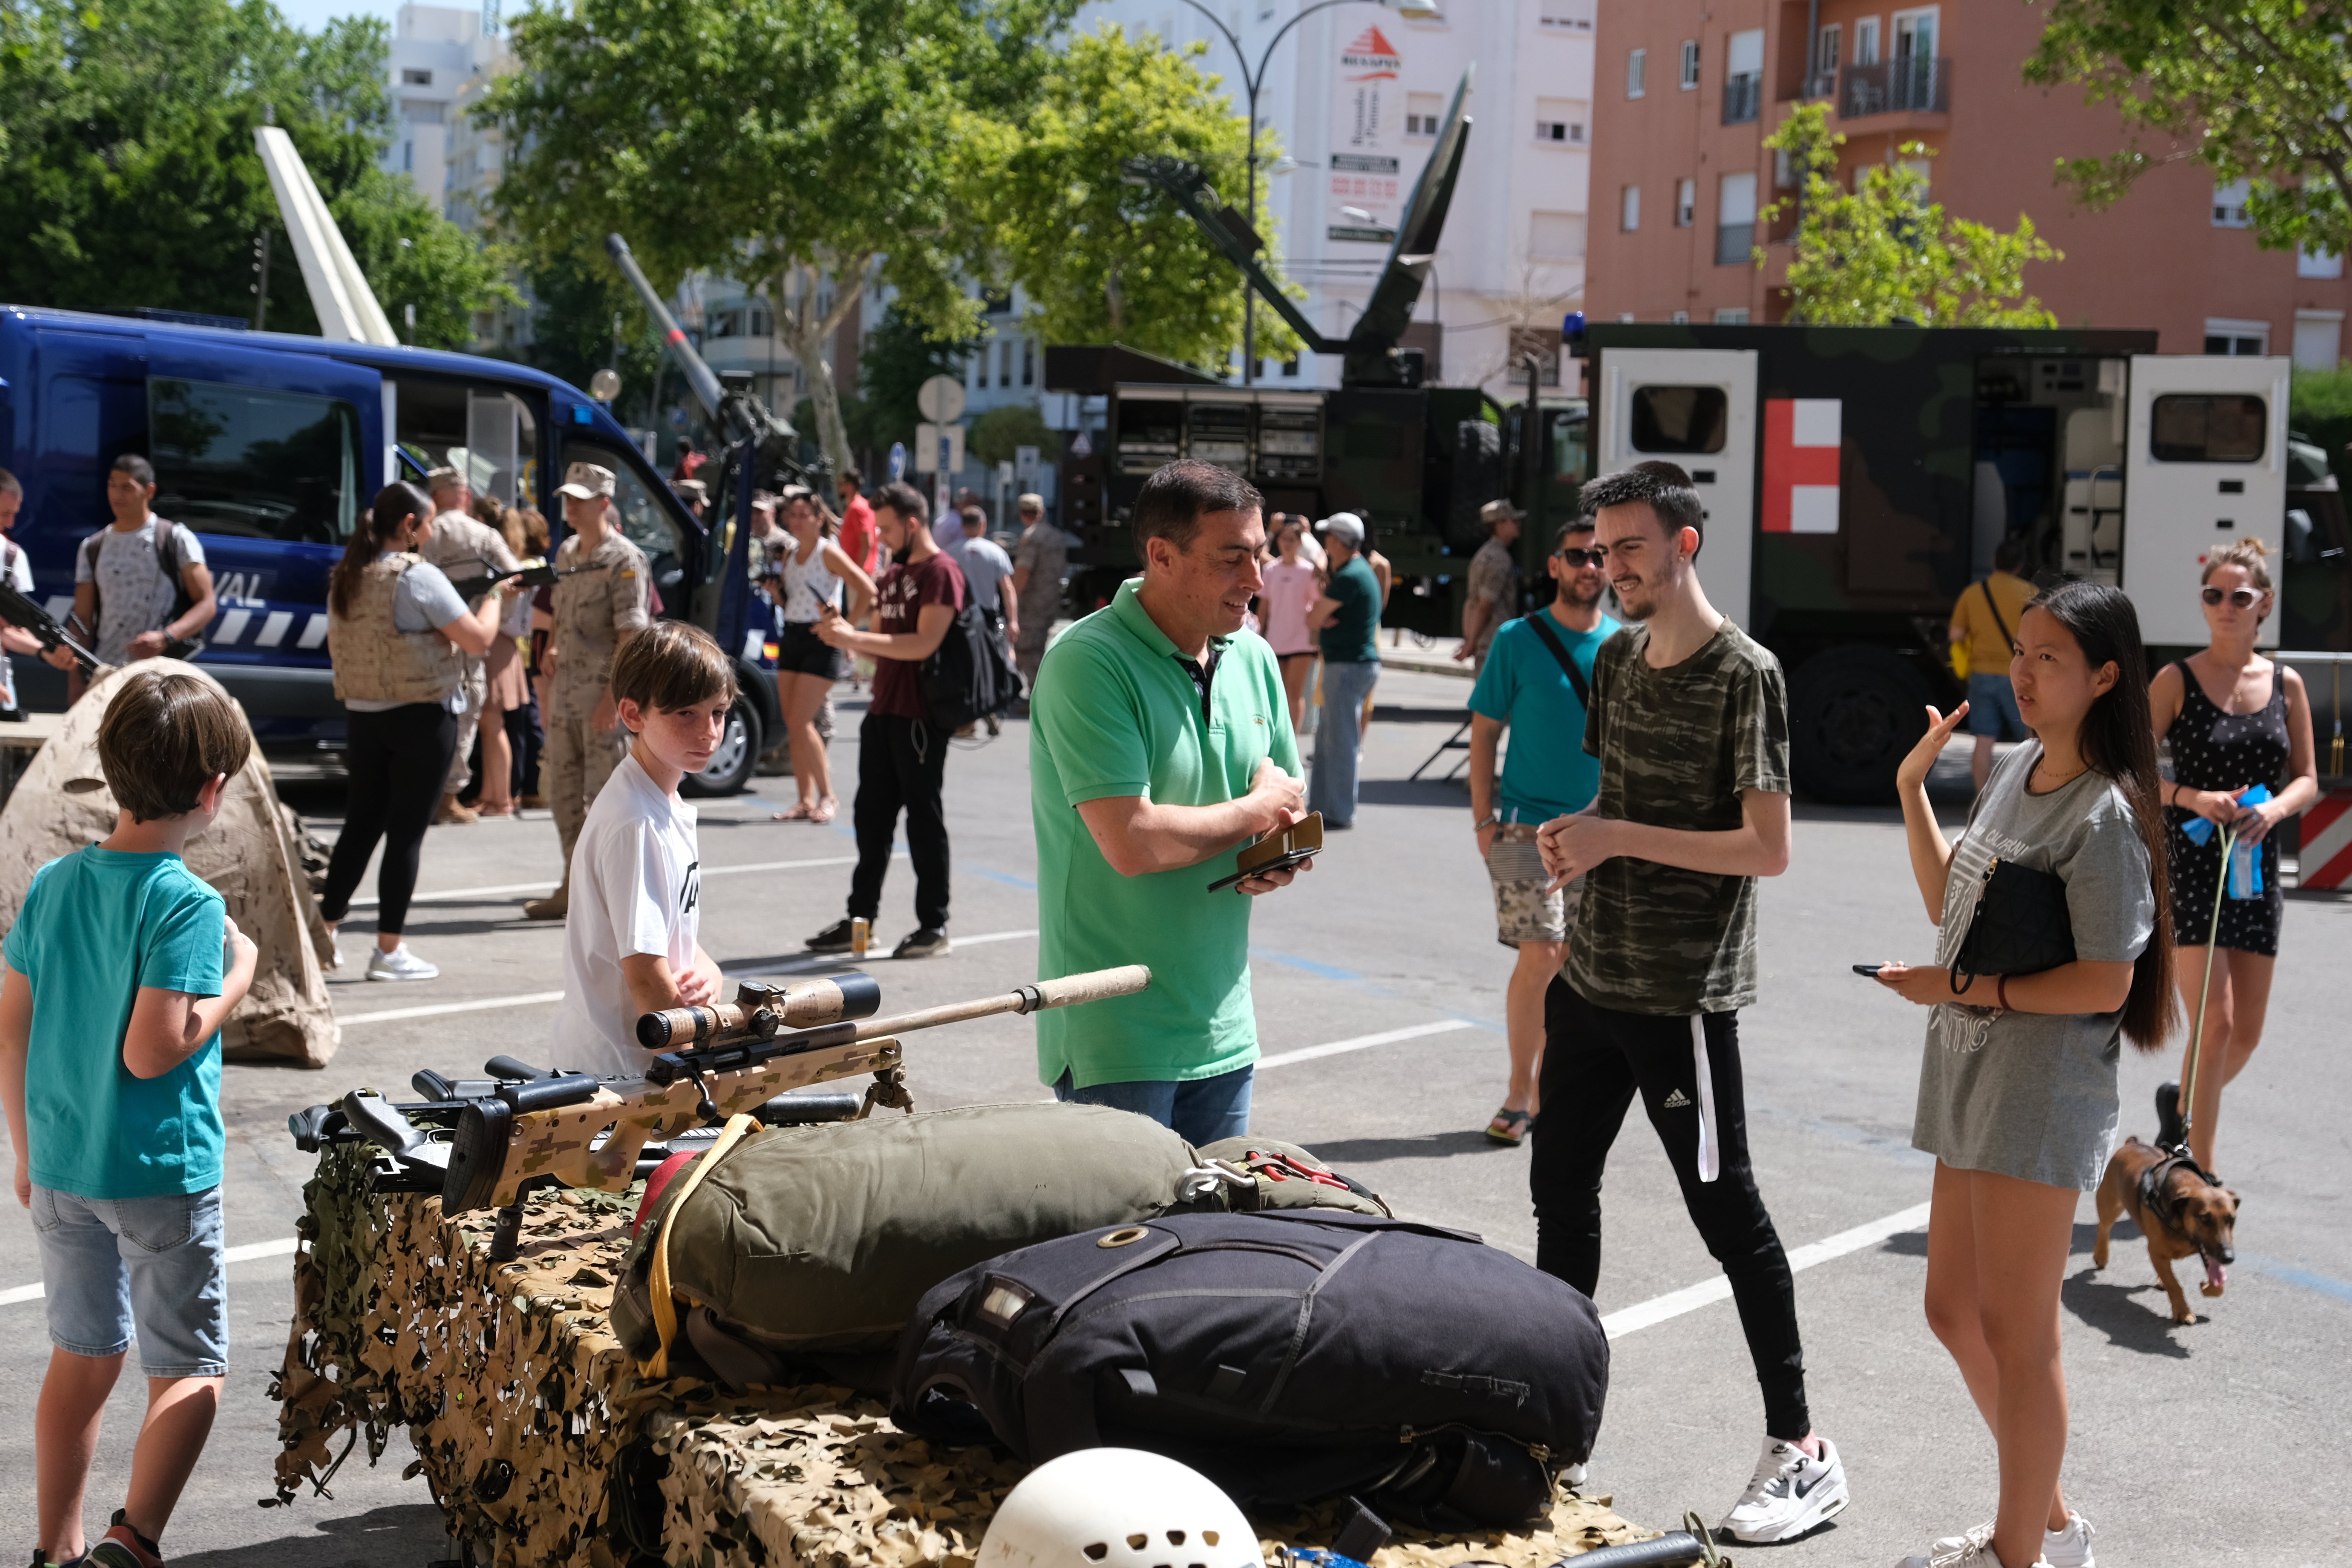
(1418, 10)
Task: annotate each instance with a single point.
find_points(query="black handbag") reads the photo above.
(2021, 925)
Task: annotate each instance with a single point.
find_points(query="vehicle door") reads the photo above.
(1695, 408)
(268, 457)
(2205, 463)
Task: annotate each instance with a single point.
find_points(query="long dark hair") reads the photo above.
(2118, 740)
(394, 504)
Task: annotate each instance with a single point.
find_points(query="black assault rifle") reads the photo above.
(19, 611)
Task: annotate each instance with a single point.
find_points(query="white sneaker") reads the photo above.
(399, 964)
(1790, 1493)
(2070, 1547)
(334, 951)
(1575, 1476)
(1974, 1549)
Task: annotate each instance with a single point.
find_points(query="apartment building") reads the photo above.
(436, 50)
(1354, 95)
(1688, 89)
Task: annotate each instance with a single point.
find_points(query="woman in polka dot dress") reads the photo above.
(2234, 720)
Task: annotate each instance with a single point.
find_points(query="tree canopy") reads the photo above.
(1883, 252)
(807, 146)
(2255, 90)
(126, 135)
(1102, 260)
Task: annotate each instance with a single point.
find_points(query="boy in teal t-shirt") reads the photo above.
(120, 967)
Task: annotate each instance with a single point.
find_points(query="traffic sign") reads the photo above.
(898, 461)
(1025, 463)
(941, 400)
(928, 441)
(1081, 447)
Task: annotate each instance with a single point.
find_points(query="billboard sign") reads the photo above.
(1365, 199)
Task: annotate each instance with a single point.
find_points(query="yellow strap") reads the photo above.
(664, 1309)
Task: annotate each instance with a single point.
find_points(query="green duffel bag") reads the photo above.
(795, 1240)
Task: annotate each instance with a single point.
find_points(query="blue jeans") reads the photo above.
(1331, 779)
(155, 1266)
(1200, 1111)
(1992, 708)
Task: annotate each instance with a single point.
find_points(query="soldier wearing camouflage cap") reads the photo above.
(600, 603)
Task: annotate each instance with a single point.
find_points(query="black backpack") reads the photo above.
(971, 675)
(169, 560)
(1288, 1355)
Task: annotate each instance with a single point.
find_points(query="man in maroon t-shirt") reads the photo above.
(901, 755)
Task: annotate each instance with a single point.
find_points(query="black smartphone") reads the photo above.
(1870, 969)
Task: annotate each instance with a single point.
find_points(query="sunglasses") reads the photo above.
(2243, 598)
(1596, 556)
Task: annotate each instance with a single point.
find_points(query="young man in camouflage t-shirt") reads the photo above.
(1689, 719)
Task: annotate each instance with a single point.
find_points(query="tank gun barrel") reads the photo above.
(739, 416)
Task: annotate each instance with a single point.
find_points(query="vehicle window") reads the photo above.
(2209, 428)
(487, 433)
(644, 520)
(259, 464)
(1680, 418)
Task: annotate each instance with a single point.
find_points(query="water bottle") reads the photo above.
(2245, 874)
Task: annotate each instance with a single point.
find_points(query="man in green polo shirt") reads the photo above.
(1160, 743)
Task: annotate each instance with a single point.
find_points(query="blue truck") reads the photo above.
(268, 446)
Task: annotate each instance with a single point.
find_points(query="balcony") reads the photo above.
(1733, 244)
(1743, 98)
(1909, 84)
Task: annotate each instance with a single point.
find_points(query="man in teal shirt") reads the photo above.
(1347, 618)
(1525, 684)
(1160, 743)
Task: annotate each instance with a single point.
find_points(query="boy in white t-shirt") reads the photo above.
(630, 941)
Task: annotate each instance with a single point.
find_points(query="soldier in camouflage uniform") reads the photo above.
(462, 547)
(600, 603)
(1689, 718)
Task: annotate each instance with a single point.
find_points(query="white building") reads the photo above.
(1354, 94)
(436, 50)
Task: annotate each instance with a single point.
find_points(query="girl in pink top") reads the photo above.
(1291, 589)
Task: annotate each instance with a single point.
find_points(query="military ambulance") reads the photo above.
(1856, 480)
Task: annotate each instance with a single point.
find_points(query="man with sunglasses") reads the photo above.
(1534, 678)
(1984, 626)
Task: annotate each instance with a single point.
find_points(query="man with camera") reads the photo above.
(1160, 744)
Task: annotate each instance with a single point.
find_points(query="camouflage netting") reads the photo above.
(543, 1447)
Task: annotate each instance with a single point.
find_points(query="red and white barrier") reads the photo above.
(2325, 857)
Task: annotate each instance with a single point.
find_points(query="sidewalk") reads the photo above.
(1401, 650)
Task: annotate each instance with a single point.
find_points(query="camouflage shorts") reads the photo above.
(1524, 912)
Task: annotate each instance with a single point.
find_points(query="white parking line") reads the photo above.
(1674, 1303)
(283, 1245)
(445, 893)
(1363, 1042)
(538, 998)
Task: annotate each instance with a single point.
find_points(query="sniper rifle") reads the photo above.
(486, 1143)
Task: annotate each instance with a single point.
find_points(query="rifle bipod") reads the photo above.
(889, 1088)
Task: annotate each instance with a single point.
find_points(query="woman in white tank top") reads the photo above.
(808, 581)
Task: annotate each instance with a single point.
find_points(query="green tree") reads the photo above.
(573, 301)
(900, 355)
(132, 176)
(1883, 252)
(1099, 259)
(998, 435)
(804, 144)
(2255, 91)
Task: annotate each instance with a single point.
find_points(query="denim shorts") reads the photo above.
(1992, 709)
(156, 1267)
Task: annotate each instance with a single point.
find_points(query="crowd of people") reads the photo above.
(1644, 793)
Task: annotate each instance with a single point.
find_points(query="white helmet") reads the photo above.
(1117, 1508)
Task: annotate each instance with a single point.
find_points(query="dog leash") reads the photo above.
(2204, 994)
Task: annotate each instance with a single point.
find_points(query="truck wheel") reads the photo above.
(1854, 712)
(731, 767)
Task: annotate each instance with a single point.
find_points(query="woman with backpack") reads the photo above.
(2017, 1086)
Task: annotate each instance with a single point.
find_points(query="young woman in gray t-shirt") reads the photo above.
(2017, 1086)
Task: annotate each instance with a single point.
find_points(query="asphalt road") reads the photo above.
(2210, 1444)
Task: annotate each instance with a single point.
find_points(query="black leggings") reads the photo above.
(399, 762)
(1595, 1061)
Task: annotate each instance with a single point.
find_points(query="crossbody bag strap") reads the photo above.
(665, 1308)
(1994, 605)
(1566, 663)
